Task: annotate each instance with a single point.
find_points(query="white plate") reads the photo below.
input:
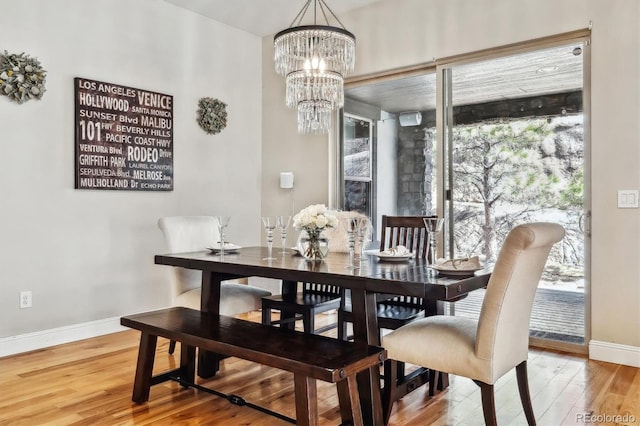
(456, 272)
(392, 257)
(228, 248)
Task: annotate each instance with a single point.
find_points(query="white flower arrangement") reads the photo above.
(21, 77)
(212, 115)
(314, 219)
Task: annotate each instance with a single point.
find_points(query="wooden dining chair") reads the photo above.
(408, 231)
(196, 233)
(394, 311)
(314, 298)
(487, 348)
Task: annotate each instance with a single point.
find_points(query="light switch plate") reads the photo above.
(628, 199)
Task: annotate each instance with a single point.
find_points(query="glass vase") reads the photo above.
(313, 245)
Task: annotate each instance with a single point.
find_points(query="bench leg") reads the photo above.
(306, 400)
(187, 362)
(390, 390)
(370, 398)
(144, 368)
(349, 398)
(344, 398)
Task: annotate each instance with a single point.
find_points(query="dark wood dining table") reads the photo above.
(372, 276)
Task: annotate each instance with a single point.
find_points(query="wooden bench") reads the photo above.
(307, 356)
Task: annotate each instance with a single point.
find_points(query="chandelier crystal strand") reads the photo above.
(314, 59)
(295, 49)
(307, 86)
(314, 117)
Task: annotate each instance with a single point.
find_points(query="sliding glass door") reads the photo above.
(488, 140)
(514, 138)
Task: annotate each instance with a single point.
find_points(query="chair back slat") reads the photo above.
(322, 289)
(409, 231)
(405, 301)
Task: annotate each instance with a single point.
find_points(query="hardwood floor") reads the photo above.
(90, 382)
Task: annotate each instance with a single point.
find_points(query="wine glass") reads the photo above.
(434, 228)
(270, 224)
(283, 223)
(223, 222)
(351, 226)
(365, 233)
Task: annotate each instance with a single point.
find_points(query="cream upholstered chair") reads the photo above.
(485, 349)
(338, 236)
(195, 233)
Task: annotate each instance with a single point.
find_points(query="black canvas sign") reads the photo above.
(124, 137)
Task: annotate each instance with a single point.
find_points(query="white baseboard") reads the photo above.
(613, 352)
(56, 336)
(601, 351)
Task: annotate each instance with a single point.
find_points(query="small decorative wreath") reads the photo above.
(21, 77)
(212, 115)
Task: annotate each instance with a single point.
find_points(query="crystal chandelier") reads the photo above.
(314, 59)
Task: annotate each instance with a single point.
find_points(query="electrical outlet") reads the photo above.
(26, 299)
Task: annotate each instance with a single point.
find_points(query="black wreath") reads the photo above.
(212, 115)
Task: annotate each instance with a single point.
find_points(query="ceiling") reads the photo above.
(262, 17)
(547, 71)
(503, 78)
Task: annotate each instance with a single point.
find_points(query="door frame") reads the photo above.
(443, 115)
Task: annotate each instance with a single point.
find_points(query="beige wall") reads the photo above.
(287, 151)
(399, 33)
(87, 255)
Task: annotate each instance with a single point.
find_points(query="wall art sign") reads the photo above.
(124, 137)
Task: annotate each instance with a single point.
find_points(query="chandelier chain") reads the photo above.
(332, 14)
(324, 7)
(322, 10)
(298, 19)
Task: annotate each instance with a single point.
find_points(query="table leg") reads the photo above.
(289, 289)
(210, 298)
(209, 362)
(365, 319)
(187, 362)
(365, 329)
(433, 307)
